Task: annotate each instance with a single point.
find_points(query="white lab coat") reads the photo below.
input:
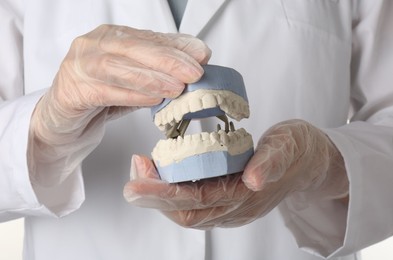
(315, 60)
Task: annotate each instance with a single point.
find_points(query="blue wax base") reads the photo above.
(206, 165)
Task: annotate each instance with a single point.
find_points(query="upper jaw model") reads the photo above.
(220, 92)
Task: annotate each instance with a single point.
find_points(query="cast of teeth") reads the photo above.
(219, 93)
(233, 105)
(176, 149)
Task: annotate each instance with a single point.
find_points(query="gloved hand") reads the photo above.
(291, 157)
(107, 72)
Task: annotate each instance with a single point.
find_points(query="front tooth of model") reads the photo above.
(236, 107)
(214, 137)
(232, 106)
(196, 138)
(209, 101)
(220, 100)
(231, 111)
(173, 144)
(158, 119)
(179, 141)
(178, 115)
(195, 105)
(187, 139)
(205, 136)
(184, 108)
(169, 116)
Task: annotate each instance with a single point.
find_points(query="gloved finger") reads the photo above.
(155, 50)
(252, 206)
(208, 218)
(102, 95)
(121, 72)
(203, 219)
(167, 60)
(153, 193)
(142, 168)
(186, 43)
(146, 189)
(185, 196)
(114, 81)
(276, 151)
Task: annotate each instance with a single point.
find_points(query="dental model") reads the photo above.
(220, 92)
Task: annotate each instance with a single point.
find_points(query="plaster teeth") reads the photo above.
(169, 116)
(209, 101)
(239, 133)
(233, 136)
(179, 140)
(187, 139)
(205, 136)
(184, 108)
(178, 115)
(195, 105)
(232, 104)
(219, 99)
(196, 138)
(214, 137)
(174, 150)
(158, 119)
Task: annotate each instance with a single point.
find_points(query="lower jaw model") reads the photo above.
(219, 93)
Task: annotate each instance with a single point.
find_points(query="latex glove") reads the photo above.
(109, 71)
(291, 157)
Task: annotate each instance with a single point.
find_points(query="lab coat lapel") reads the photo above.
(197, 14)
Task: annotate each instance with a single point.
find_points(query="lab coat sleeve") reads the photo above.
(327, 228)
(18, 197)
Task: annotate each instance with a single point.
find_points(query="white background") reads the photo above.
(11, 236)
